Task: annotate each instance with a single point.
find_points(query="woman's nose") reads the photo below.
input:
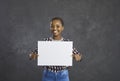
(54, 28)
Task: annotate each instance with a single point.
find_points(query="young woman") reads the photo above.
(56, 73)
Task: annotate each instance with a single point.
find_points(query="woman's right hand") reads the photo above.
(33, 56)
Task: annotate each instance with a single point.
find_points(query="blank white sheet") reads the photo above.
(55, 53)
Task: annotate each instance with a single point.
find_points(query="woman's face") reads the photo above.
(56, 27)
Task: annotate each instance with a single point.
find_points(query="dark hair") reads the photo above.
(58, 18)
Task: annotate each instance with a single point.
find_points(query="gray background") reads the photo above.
(93, 25)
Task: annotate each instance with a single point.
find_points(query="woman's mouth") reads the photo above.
(55, 31)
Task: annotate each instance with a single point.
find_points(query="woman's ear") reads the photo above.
(50, 25)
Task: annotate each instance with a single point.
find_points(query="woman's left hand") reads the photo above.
(77, 57)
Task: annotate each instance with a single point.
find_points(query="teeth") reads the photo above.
(55, 31)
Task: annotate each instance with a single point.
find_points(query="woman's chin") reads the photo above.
(55, 34)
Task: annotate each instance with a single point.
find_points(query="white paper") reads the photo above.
(55, 53)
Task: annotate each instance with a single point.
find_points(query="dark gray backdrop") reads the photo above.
(93, 25)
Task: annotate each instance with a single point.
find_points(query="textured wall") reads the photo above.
(93, 25)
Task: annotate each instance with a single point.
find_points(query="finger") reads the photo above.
(29, 55)
(72, 55)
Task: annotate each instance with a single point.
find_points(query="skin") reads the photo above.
(56, 29)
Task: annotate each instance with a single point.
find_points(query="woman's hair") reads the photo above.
(58, 18)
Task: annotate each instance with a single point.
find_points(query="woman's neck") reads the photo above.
(57, 37)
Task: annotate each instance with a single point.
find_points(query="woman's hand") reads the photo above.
(33, 56)
(77, 57)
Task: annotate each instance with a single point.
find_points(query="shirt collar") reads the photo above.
(56, 40)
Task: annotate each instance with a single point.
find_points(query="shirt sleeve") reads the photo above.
(75, 51)
(35, 51)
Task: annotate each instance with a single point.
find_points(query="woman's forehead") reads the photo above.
(56, 22)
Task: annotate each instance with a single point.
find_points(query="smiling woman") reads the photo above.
(55, 73)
